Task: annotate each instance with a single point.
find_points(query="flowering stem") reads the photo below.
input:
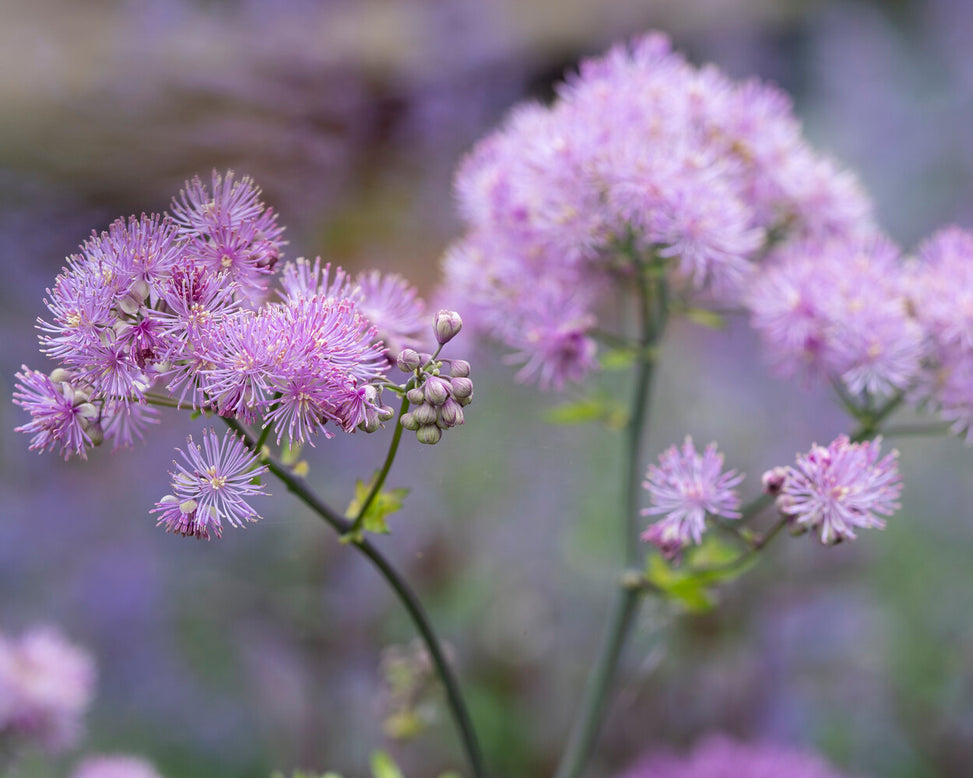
(596, 693)
(386, 466)
(653, 309)
(410, 601)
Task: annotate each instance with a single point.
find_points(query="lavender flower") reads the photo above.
(684, 488)
(62, 417)
(838, 310)
(642, 158)
(45, 687)
(841, 487)
(942, 297)
(394, 308)
(114, 766)
(720, 757)
(229, 230)
(212, 486)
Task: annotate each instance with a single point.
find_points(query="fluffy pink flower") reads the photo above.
(115, 766)
(720, 757)
(842, 487)
(46, 685)
(684, 488)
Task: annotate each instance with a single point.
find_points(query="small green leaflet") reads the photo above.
(691, 585)
(386, 502)
(587, 410)
(384, 767)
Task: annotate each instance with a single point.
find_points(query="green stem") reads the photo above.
(386, 466)
(653, 313)
(454, 696)
(586, 727)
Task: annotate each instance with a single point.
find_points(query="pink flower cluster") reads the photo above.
(720, 757)
(642, 155)
(46, 685)
(176, 304)
(830, 490)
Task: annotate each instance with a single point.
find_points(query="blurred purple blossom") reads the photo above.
(642, 155)
(46, 685)
(720, 757)
(684, 488)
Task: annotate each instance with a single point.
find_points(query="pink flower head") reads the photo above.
(115, 766)
(46, 685)
(62, 418)
(394, 308)
(212, 486)
(684, 488)
(843, 486)
(229, 231)
(720, 757)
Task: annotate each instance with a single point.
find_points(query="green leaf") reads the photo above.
(384, 767)
(691, 585)
(386, 502)
(706, 318)
(686, 590)
(587, 410)
(618, 359)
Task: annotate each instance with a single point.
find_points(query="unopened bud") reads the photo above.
(416, 396)
(429, 434)
(436, 389)
(448, 324)
(425, 414)
(386, 412)
(459, 368)
(773, 480)
(95, 433)
(408, 421)
(408, 360)
(60, 375)
(462, 388)
(450, 414)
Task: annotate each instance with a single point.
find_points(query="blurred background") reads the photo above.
(265, 649)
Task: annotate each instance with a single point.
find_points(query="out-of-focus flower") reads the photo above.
(720, 757)
(838, 310)
(642, 158)
(115, 766)
(46, 685)
(841, 487)
(211, 487)
(684, 488)
(394, 308)
(942, 297)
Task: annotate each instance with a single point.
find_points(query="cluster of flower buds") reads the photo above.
(438, 400)
(376, 412)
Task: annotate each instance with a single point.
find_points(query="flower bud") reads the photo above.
(436, 389)
(773, 480)
(429, 434)
(448, 324)
(450, 414)
(464, 401)
(386, 412)
(408, 421)
(459, 368)
(408, 360)
(416, 396)
(462, 388)
(425, 414)
(60, 375)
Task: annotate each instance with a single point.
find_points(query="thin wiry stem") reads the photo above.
(410, 601)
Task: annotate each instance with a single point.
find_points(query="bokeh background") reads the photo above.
(263, 650)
